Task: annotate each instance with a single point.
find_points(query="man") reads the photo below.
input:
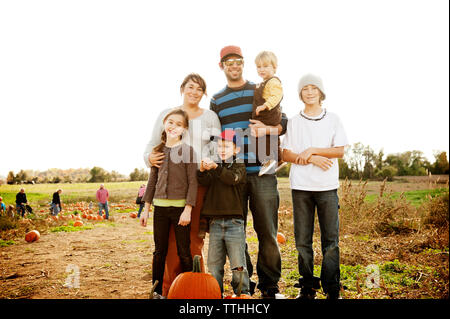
(56, 203)
(102, 198)
(21, 201)
(233, 105)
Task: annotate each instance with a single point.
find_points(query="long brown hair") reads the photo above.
(177, 111)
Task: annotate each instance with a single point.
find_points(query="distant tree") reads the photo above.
(440, 165)
(98, 174)
(11, 178)
(139, 175)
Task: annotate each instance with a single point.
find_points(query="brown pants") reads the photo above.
(173, 266)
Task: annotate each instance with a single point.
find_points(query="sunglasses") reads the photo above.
(230, 62)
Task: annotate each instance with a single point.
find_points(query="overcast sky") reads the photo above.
(81, 82)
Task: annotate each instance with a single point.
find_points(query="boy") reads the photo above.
(222, 206)
(266, 108)
(314, 140)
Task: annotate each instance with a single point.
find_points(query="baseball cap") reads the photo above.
(230, 135)
(230, 50)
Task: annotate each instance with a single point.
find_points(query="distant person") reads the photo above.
(56, 203)
(2, 207)
(266, 108)
(139, 200)
(102, 198)
(21, 201)
(314, 141)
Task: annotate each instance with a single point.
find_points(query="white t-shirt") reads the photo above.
(323, 132)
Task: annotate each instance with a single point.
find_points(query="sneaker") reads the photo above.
(334, 295)
(306, 294)
(269, 294)
(267, 166)
(158, 296)
(280, 166)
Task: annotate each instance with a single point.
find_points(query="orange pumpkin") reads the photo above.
(78, 223)
(32, 236)
(89, 217)
(281, 238)
(133, 215)
(84, 215)
(195, 285)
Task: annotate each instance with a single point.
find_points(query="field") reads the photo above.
(393, 243)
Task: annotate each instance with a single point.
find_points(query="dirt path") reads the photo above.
(113, 261)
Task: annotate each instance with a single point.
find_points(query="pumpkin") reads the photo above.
(195, 285)
(133, 215)
(78, 223)
(32, 236)
(89, 217)
(281, 239)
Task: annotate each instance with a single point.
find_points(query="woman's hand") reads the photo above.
(185, 217)
(320, 161)
(156, 158)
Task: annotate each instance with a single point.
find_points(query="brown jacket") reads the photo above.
(176, 178)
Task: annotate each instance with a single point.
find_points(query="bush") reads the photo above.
(436, 211)
(7, 223)
(387, 172)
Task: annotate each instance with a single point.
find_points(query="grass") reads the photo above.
(42, 193)
(416, 197)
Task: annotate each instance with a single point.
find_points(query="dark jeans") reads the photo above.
(162, 219)
(305, 204)
(261, 195)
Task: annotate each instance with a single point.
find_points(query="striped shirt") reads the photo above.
(234, 108)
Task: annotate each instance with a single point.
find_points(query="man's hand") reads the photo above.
(156, 159)
(259, 129)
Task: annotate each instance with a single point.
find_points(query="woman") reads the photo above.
(203, 124)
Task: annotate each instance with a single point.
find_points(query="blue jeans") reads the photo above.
(20, 209)
(261, 195)
(101, 207)
(141, 207)
(55, 209)
(327, 204)
(227, 238)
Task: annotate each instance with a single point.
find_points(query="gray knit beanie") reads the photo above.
(311, 79)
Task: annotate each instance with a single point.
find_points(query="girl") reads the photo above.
(203, 124)
(173, 190)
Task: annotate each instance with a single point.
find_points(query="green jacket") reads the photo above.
(224, 196)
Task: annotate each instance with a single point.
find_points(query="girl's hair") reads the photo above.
(194, 77)
(267, 57)
(177, 111)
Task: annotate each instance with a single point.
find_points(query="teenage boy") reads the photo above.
(314, 140)
(222, 207)
(233, 105)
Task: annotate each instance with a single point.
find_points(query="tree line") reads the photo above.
(359, 162)
(362, 162)
(80, 175)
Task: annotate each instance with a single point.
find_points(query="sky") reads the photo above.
(81, 82)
